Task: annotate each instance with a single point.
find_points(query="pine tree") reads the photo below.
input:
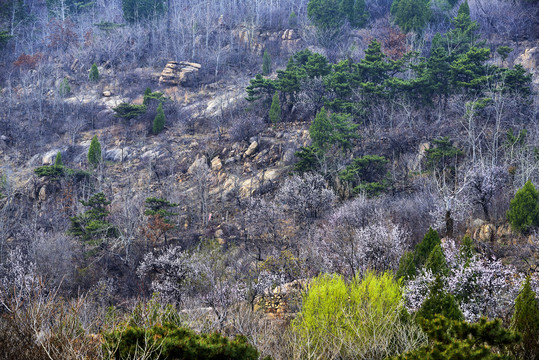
(325, 14)
(94, 73)
(425, 247)
(58, 160)
(266, 63)
(407, 269)
(439, 303)
(293, 20)
(411, 15)
(523, 211)
(159, 120)
(64, 88)
(359, 16)
(92, 226)
(94, 152)
(436, 261)
(275, 109)
(140, 10)
(526, 322)
(320, 130)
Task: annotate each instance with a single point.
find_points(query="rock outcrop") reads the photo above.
(179, 73)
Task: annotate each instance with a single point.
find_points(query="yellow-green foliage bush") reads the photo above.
(360, 319)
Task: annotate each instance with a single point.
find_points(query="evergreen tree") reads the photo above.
(128, 111)
(150, 96)
(92, 226)
(504, 51)
(523, 211)
(159, 120)
(58, 159)
(359, 16)
(94, 73)
(331, 14)
(4, 38)
(407, 269)
(425, 247)
(293, 20)
(467, 249)
(275, 109)
(526, 322)
(159, 207)
(260, 88)
(411, 15)
(325, 14)
(439, 303)
(266, 63)
(64, 88)
(457, 340)
(320, 130)
(436, 261)
(464, 34)
(141, 10)
(366, 174)
(94, 152)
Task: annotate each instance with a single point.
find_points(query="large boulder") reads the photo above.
(180, 73)
(529, 59)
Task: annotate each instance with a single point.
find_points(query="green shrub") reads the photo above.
(523, 211)
(438, 303)
(150, 96)
(159, 120)
(128, 111)
(266, 63)
(352, 320)
(455, 340)
(64, 89)
(58, 159)
(275, 109)
(526, 322)
(94, 73)
(293, 20)
(141, 10)
(168, 341)
(411, 15)
(94, 152)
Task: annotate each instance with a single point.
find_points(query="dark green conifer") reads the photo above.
(523, 211)
(94, 152)
(58, 159)
(94, 73)
(526, 322)
(159, 120)
(275, 109)
(266, 63)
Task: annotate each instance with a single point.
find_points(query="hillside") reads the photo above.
(299, 173)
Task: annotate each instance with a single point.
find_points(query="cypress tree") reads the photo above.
(266, 63)
(94, 73)
(293, 20)
(425, 247)
(275, 109)
(94, 152)
(58, 160)
(159, 120)
(436, 261)
(523, 211)
(64, 88)
(526, 322)
(438, 303)
(320, 130)
(407, 269)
